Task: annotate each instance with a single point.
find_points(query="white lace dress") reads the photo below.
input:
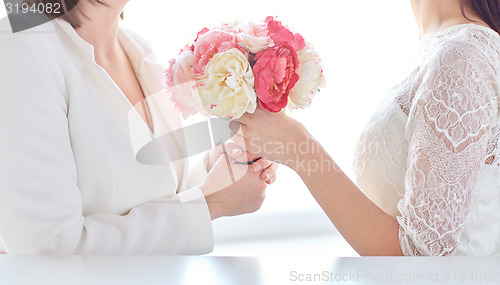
(429, 156)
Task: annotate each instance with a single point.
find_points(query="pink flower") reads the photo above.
(231, 29)
(275, 75)
(226, 70)
(258, 30)
(281, 35)
(255, 37)
(200, 33)
(179, 70)
(179, 82)
(209, 43)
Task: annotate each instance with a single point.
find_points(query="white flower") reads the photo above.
(311, 79)
(226, 87)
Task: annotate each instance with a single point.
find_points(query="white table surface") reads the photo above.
(246, 270)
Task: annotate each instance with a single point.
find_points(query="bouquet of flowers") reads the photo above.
(227, 70)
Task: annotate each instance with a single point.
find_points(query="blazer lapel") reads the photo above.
(150, 74)
(165, 119)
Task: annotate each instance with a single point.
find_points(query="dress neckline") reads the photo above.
(454, 28)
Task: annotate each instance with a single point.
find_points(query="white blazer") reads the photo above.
(69, 178)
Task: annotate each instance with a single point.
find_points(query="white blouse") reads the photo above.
(430, 155)
(70, 181)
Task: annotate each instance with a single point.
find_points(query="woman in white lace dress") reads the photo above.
(427, 165)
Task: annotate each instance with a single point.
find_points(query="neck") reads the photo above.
(100, 26)
(433, 16)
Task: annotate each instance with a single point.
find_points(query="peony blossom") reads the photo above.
(227, 69)
(180, 69)
(275, 75)
(256, 38)
(208, 44)
(226, 88)
(201, 33)
(234, 29)
(311, 78)
(281, 35)
(179, 83)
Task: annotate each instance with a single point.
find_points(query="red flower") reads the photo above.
(275, 75)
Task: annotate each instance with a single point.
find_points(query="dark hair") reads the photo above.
(72, 12)
(487, 10)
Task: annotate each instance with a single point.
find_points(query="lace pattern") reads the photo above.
(450, 136)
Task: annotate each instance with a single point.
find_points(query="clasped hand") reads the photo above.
(233, 189)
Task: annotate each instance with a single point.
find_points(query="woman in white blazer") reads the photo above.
(70, 181)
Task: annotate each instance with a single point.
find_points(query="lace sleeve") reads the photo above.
(449, 129)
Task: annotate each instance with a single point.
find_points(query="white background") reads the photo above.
(366, 48)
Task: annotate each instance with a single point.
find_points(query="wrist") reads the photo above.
(290, 147)
(306, 154)
(213, 208)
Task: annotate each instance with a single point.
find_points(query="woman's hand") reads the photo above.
(368, 229)
(266, 168)
(233, 189)
(274, 136)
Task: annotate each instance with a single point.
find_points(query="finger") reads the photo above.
(235, 153)
(271, 181)
(272, 167)
(260, 165)
(272, 178)
(269, 172)
(240, 142)
(233, 150)
(224, 174)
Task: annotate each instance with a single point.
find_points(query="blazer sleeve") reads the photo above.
(40, 203)
(199, 172)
